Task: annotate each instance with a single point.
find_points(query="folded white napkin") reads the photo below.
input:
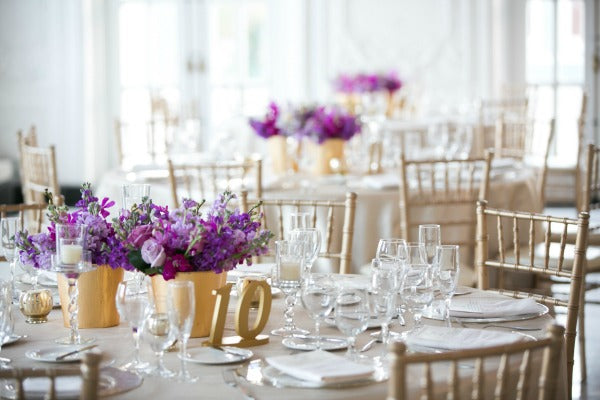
(382, 181)
(243, 270)
(473, 307)
(443, 338)
(320, 366)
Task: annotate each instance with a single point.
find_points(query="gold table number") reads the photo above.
(247, 336)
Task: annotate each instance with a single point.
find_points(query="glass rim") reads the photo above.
(429, 226)
(447, 246)
(393, 240)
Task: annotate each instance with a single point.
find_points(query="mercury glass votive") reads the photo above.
(35, 305)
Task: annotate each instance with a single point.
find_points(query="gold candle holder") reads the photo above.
(35, 305)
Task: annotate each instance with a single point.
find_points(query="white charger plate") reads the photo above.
(212, 356)
(49, 354)
(306, 343)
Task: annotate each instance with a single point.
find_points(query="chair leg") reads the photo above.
(582, 358)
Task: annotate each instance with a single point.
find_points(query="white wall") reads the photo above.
(41, 79)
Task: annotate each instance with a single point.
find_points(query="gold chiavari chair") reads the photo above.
(512, 258)
(38, 169)
(206, 180)
(89, 372)
(510, 383)
(274, 211)
(429, 184)
(144, 142)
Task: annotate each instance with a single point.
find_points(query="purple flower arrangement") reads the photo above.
(331, 123)
(165, 242)
(101, 240)
(269, 126)
(317, 123)
(367, 83)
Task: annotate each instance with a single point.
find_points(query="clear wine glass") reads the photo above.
(9, 227)
(415, 253)
(133, 305)
(72, 260)
(159, 333)
(134, 193)
(447, 270)
(181, 310)
(352, 314)
(287, 276)
(299, 220)
(384, 290)
(312, 244)
(318, 298)
(417, 290)
(430, 236)
(391, 248)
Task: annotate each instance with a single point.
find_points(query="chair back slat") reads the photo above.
(207, 180)
(38, 169)
(337, 235)
(501, 358)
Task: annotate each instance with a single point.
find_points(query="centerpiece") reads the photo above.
(182, 244)
(270, 128)
(365, 89)
(97, 288)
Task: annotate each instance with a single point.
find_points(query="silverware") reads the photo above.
(512, 328)
(227, 350)
(230, 378)
(63, 356)
(369, 344)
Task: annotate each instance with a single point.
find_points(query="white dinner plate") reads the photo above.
(49, 354)
(307, 343)
(11, 339)
(374, 323)
(43, 280)
(213, 356)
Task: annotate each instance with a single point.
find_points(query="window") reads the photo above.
(555, 68)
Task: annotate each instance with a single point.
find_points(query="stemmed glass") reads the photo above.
(181, 310)
(299, 220)
(133, 306)
(312, 244)
(318, 298)
(384, 290)
(72, 260)
(159, 333)
(5, 316)
(447, 270)
(134, 193)
(415, 253)
(430, 236)
(391, 248)
(417, 290)
(9, 228)
(352, 314)
(287, 276)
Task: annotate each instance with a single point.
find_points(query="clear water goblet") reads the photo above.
(415, 253)
(317, 294)
(133, 305)
(287, 276)
(181, 310)
(418, 290)
(352, 315)
(135, 193)
(431, 238)
(391, 248)
(159, 333)
(312, 244)
(447, 271)
(9, 228)
(384, 290)
(299, 220)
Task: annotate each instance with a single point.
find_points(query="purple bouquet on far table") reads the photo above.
(269, 126)
(331, 123)
(160, 241)
(368, 83)
(101, 240)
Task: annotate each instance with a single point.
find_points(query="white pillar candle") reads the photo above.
(70, 253)
(289, 271)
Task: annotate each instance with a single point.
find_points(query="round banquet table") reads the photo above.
(377, 205)
(116, 344)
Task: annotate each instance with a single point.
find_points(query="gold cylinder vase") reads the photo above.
(96, 300)
(329, 157)
(204, 283)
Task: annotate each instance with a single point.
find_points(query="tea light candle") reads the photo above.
(70, 253)
(289, 271)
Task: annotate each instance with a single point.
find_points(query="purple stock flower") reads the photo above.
(332, 123)
(269, 126)
(367, 83)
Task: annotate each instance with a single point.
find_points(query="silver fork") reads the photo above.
(512, 328)
(230, 378)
